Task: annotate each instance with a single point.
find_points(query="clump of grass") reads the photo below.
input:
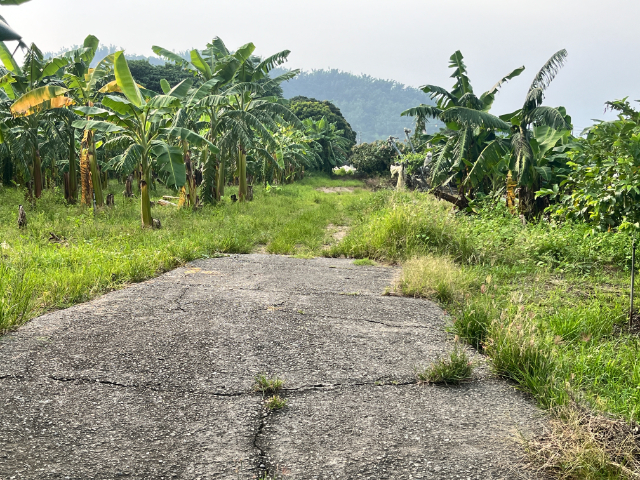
(472, 322)
(267, 385)
(276, 402)
(433, 277)
(448, 370)
(576, 444)
(364, 262)
(517, 352)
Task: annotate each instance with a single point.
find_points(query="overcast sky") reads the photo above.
(405, 40)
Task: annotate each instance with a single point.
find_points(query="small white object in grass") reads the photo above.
(344, 170)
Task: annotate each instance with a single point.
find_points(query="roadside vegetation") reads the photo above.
(68, 254)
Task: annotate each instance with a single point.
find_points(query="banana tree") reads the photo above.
(143, 126)
(333, 145)
(461, 147)
(219, 69)
(84, 86)
(525, 146)
(34, 90)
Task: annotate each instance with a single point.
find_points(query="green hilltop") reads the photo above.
(372, 106)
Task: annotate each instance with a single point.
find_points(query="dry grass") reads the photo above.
(434, 277)
(579, 444)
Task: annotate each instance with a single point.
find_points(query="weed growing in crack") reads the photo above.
(267, 384)
(276, 402)
(449, 370)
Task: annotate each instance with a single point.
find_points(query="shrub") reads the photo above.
(372, 158)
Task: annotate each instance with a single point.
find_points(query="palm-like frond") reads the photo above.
(549, 70)
(548, 116)
(269, 63)
(473, 118)
(424, 111)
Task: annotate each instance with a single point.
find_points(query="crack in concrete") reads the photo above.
(301, 388)
(262, 462)
(361, 319)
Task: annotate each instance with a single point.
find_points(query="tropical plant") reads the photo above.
(525, 149)
(602, 185)
(29, 92)
(238, 113)
(334, 146)
(459, 150)
(84, 86)
(143, 124)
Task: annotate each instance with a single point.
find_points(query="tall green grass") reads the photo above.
(546, 302)
(107, 250)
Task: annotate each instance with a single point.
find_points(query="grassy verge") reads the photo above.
(101, 252)
(547, 303)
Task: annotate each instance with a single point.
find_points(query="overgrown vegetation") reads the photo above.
(93, 253)
(548, 302)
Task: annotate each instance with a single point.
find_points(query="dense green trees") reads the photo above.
(149, 76)
(601, 184)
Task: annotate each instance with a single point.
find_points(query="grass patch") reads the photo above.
(364, 262)
(275, 402)
(268, 385)
(108, 250)
(448, 370)
(434, 277)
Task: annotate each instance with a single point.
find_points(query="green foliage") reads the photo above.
(149, 76)
(372, 158)
(275, 402)
(413, 161)
(602, 186)
(304, 108)
(266, 384)
(449, 370)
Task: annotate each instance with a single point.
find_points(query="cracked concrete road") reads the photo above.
(155, 381)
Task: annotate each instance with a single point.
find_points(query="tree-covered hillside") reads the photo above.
(371, 105)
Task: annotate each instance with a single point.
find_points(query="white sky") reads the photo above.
(405, 40)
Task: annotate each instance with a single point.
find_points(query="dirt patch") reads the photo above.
(336, 189)
(338, 232)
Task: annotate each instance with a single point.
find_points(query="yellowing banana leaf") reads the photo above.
(114, 87)
(57, 102)
(31, 102)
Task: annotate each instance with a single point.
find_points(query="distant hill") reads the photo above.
(371, 105)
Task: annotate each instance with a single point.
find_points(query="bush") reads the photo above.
(372, 158)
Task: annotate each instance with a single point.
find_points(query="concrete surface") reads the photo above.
(155, 381)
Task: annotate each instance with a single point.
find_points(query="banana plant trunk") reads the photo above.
(73, 176)
(242, 174)
(220, 179)
(95, 171)
(37, 172)
(145, 201)
(85, 171)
